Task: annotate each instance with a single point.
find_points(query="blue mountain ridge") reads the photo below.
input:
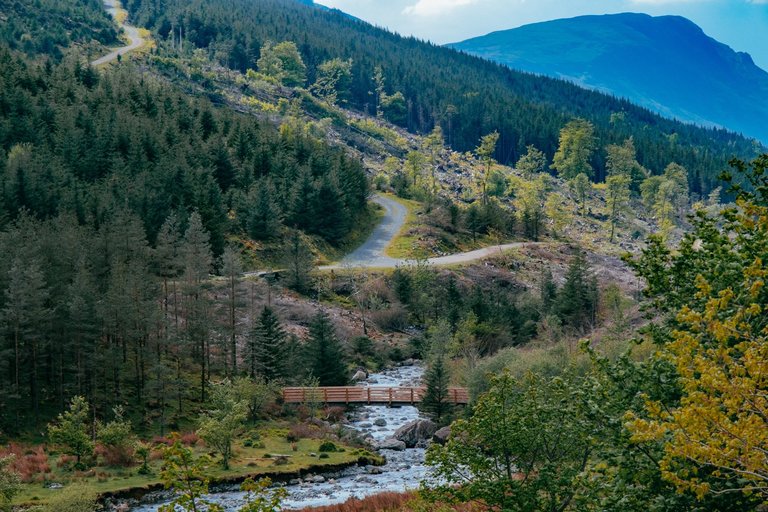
(665, 63)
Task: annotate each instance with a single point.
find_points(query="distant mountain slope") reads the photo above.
(667, 64)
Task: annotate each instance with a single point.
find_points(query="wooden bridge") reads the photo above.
(368, 395)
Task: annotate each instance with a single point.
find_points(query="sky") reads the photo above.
(741, 24)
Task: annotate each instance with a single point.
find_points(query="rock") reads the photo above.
(53, 485)
(442, 435)
(294, 481)
(360, 375)
(318, 479)
(416, 433)
(365, 425)
(391, 444)
(381, 422)
(374, 470)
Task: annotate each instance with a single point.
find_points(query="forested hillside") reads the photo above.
(79, 143)
(467, 96)
(44, 27)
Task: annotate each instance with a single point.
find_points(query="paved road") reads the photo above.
(372, 253)
(136, 41)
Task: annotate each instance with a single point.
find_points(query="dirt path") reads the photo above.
(372, 253)
(136, 41)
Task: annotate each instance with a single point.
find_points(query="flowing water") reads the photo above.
(403, 470)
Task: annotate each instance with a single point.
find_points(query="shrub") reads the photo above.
(334, 414)
(303, 431)
(328, 446)
(28, 463)
(323, 456)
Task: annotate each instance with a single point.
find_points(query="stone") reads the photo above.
(416, 433)
(442, 435)
(380, 422)
(374, 470)
(392, 444)
(366, 425)
(360, 375)
(318, 479)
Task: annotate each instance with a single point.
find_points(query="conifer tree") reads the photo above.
(267, 347)
(232, 268)
(436, 400)
(326, 358)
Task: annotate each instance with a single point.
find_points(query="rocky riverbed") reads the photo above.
(404, 468)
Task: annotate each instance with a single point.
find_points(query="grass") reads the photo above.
(403, 244)
(248, 461)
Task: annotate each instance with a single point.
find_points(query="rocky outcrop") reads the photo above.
(416, 433)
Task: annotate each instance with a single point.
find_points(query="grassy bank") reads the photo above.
(273, 456)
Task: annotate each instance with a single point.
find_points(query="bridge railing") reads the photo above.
(369, 395)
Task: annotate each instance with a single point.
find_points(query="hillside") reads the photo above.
(666, 64)
(469, 97)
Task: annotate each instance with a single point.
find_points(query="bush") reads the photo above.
(28, 463)
(323, 456)
(328, 446)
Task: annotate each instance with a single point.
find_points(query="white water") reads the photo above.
(403, 470)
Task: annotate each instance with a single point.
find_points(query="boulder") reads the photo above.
(391, 444)
(416, 433)
(360, 375)
(442, 435)
(380, 422)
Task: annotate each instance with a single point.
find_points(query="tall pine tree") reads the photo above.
(325, 355)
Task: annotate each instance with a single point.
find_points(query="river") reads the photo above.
(403, 470)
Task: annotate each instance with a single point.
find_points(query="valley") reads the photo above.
(247, 197)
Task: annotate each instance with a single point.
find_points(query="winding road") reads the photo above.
(131, 32)
(372, 253)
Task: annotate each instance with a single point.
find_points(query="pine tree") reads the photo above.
(198, 260)
(327, 360)
(577, 300)
(267, 347)
(232, 268)
(436, 400)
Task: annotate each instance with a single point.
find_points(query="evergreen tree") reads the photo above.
(436, 402)
(298, 259)
(231, 268)
(267, 350)
(263, 221)
(577, 299)
(326, 358)
(70, 431)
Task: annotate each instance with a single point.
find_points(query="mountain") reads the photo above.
(666, 63)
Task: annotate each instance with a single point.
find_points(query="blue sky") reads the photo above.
(741, 24)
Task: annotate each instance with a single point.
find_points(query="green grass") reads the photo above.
(248, 461)
(403, 244)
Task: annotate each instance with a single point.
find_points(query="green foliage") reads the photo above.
(117, 435)
(436, 402)
(617, 197)
(328, 446)
(185, 474)
(282, 62)
(577, 300)
(574, 154)
(47, 27)
(70, 431)
(299, 261)
(580, 185)
(266, 350)
(260, 498)
(532, 162)
(524, 448)
(333, 80)
(223, 422)
(485, 152)
(256, 393)
(622, 159)
(10, 482)
(326, 358)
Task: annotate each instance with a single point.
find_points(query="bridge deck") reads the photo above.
(368, 395)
